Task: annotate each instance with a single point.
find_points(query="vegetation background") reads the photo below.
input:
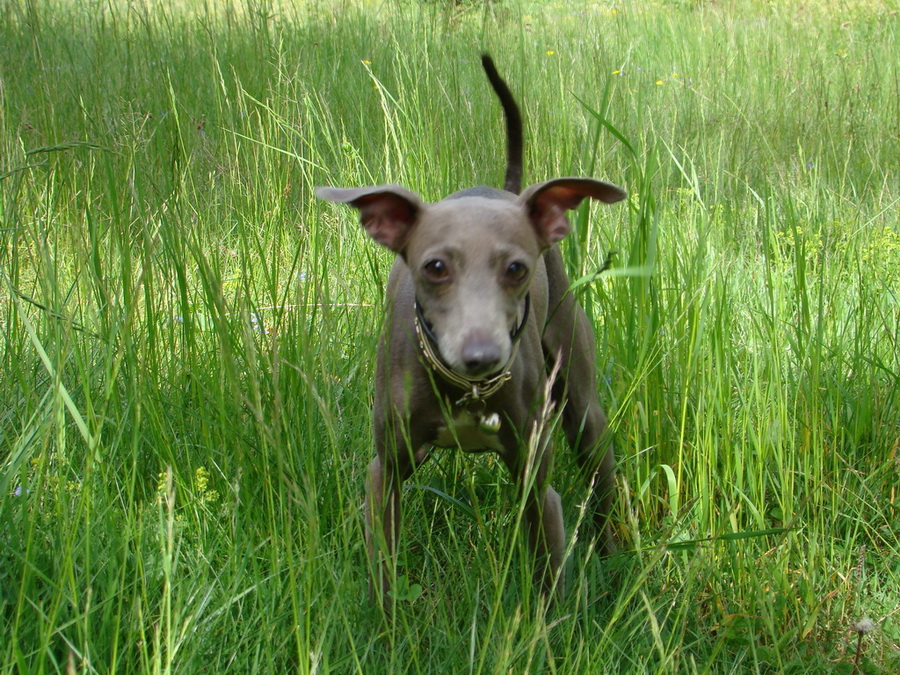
(187, 334)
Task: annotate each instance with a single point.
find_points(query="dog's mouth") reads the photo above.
(480, 357)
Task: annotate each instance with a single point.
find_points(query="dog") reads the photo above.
(479, 315)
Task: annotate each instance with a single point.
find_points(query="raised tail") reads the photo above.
(513, 181)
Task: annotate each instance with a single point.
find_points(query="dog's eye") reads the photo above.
(516, 272)
(436, 270)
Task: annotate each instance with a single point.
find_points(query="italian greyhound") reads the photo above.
(479, 316)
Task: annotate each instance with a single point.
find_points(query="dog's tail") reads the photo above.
(513, 181)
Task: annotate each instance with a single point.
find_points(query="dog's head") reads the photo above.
(472, 256)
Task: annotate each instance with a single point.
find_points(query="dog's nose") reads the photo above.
(480, 355)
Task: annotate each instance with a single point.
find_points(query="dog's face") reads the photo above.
(472, 257)
(472, 261)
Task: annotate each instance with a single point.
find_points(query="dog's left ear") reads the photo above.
(546, 203)
(387, 212)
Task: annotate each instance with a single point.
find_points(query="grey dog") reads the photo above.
(479, 316)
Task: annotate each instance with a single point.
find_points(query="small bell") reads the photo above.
(489, 424)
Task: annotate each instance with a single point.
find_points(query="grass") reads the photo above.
(187, 343)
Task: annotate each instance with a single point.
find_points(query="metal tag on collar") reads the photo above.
(489, 424)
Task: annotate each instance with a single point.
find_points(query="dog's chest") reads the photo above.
(466, 433)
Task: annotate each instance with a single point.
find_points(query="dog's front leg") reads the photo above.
(382, 526)
(384, 482)
(543, 519)
(546, 539)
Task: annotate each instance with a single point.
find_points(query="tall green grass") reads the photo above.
(187, 346)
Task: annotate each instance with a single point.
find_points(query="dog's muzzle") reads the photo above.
(476, 389)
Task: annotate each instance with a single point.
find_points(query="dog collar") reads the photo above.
(477, 389)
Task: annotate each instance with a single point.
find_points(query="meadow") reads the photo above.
(187, 335)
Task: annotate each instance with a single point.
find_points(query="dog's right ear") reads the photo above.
(546, 203)
(388, 212)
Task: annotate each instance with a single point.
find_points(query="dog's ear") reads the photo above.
(546, 203)
(388, 212)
